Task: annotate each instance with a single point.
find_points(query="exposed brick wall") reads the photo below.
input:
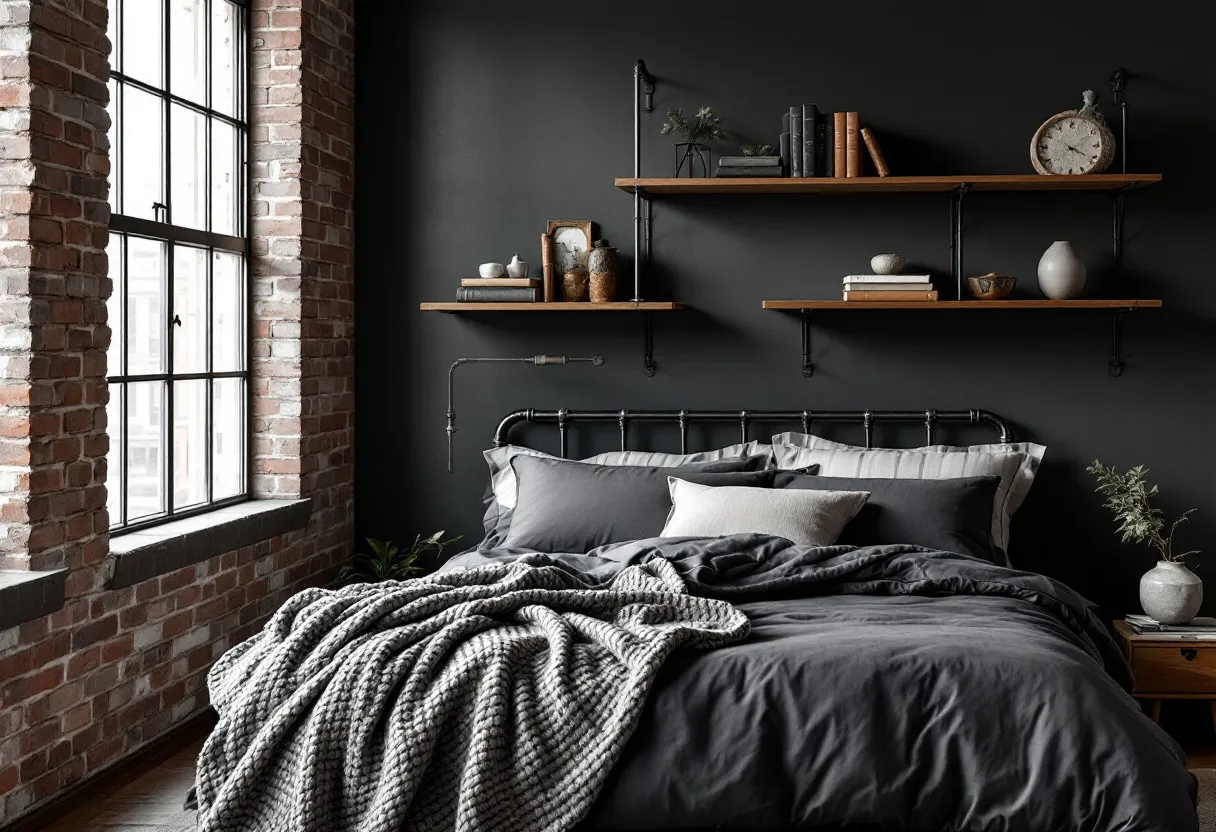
(113, 669)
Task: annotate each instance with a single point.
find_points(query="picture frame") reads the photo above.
(561, 249)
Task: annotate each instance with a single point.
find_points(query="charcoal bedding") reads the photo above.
(885, 688)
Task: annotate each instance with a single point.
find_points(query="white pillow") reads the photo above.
(1016, 464)
(808, 518)
(504, 486)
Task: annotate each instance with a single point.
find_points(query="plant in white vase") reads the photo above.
(1169, 592)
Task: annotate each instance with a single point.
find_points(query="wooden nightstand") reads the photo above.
(1169, 668)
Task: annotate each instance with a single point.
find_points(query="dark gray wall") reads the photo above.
(479, 122)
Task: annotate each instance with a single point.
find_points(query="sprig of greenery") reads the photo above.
(1128, 496)
(704, 126)
(756, 149)
(389, 562)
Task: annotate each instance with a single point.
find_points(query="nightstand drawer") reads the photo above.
(1175, 669)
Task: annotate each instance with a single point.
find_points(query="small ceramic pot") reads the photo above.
(991, 286)
(602, 258)
(603, 287)
(517, 267)
(1171, 593)
(488, 270)
(574, 285)
(888, 263)
(1061, 271)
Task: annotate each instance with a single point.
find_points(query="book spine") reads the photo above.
(822, 154)
(795, 141)
(485, 282)
(783, 145)
(546, 262)
(495, 294)
(898, 296)
(810, 140)
(838, 144)
(729, 173)
(748, 161)
(858, 286)
(880, 164)
(887, 278)
(852, 149)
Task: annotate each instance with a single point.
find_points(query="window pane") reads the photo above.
(114, 483)
(115, 151)
(114, 307)
(228, 312)
(142, 35)
(188, 152)
(189, 443)
(143, 159)
(227, 443)
(145, 449)
(146, 313)
(225, 66)
(188, 42)
(224, 190)
(190, 308)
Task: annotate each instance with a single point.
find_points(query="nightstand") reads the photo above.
(1169, 668)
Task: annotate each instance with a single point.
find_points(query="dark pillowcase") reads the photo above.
(574, 507)
(954, 515)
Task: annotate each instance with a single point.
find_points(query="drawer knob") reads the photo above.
(1189, 654)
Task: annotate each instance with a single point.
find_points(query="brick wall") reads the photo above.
(113, 669)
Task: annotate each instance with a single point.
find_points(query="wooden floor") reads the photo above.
(152, 802)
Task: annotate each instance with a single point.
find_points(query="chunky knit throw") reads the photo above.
(496, 698)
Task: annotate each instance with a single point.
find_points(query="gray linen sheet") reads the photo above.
(886, 687)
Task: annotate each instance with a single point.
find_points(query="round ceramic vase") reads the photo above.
(1171, 593)
(1061, 271)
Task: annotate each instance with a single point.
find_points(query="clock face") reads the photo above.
(570, 246)
(1070, 145)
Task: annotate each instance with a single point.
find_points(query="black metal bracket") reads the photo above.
(1118, 86)
(1115, 365)
(1120, 208)
(648, 346)
(643, 83)
(956, 235)
(648, 81)
(808, 369)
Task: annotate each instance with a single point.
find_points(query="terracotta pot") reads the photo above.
(574, 286)
(603, 287)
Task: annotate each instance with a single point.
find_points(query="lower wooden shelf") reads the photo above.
(1139, 303)
(558, 306)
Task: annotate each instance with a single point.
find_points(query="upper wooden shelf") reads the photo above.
(891, 184)
(559, 306)
(1138, 303)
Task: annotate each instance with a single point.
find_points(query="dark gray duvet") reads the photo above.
(887, 688)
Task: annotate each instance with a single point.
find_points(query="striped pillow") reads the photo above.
(1016, 465)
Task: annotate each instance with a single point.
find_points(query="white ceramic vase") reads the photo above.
(517, 267)
(1171, 593)
(1061, 271)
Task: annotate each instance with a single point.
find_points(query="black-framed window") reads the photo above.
(179, 252)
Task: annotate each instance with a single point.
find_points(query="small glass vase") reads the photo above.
(692, 160)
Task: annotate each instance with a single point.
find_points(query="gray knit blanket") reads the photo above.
(496, 698)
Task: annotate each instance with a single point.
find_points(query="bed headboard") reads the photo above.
(745, 418)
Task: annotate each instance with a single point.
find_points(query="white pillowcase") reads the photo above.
(808, 518)
(1016, 464)
(505, 487)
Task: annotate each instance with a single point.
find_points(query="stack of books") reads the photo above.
(899, 287)
(1199, 629)
(749, 166)
(498, 290)
(815, 143)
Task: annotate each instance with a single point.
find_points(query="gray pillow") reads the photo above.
(574, 507)
(954, 515)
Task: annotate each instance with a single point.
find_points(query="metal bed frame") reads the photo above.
(866, 418)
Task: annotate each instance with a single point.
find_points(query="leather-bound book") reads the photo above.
(796, 141)
(546, 264)
(852, 145)
(811, 164)
(924, 297)
(880, 164)
(838, 144)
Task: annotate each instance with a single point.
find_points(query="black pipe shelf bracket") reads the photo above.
(1115, 365)
(808, 368)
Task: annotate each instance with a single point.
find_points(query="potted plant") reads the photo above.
(389, 562)
(693, 152)
(1169, 592)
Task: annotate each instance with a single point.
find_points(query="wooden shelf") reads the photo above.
(558, 306)
(891, 184)
(1139, 303)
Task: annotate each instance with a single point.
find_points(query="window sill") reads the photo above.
(25, 596)
(146, 554)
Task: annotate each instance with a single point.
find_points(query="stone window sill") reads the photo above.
(146, 554)
(25, 596)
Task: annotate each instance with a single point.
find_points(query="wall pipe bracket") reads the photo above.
(1115, 365)
(648, 363)
(808, 369)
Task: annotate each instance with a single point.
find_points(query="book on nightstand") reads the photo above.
(1202, 627)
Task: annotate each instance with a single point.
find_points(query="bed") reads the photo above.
(881, 684)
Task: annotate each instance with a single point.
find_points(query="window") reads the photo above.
(178, 358)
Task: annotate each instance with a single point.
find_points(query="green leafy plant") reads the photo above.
(702, 127)
(389, 562)
(756, 149)
(1129, 497)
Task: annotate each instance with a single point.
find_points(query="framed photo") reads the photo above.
(571, 243)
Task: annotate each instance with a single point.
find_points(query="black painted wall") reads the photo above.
(477, 122)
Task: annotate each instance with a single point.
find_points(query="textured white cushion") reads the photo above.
(1016, 464)
(808, 518)
(502, 477)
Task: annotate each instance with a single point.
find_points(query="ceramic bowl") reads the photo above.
(887, 263)
(991, 286)
(491, 269)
